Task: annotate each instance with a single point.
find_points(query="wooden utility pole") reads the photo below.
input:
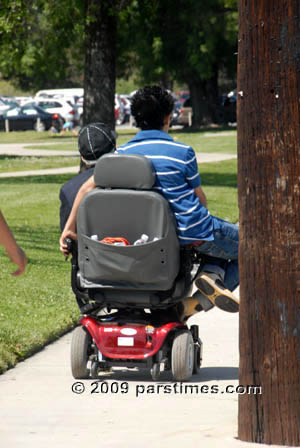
(269, 201)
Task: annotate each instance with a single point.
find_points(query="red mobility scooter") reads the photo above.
(129, 296)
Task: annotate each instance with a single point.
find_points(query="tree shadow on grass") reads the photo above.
(208, 178)
(191, 130)
(218, 179)
(7, 156)
(39, 238)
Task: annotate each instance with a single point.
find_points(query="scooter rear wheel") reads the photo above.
(80, 351)
(182, 357)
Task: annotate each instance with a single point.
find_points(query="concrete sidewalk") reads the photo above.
(38, 408)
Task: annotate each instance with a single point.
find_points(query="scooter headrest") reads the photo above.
(124, 171)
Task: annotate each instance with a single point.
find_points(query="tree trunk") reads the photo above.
(212, 90)
(198, 102)
(204, 96)
(269, 201)
(99, 78)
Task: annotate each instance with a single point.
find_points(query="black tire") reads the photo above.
(80, 351)
(182, 357)
(197, 359)
(94, 369)
(155, 371)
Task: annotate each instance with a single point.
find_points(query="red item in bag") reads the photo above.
(111, 240)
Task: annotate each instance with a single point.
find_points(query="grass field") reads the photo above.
(14, 163)
(34, 137)
(219, 182)
(39, 306)
(222, 141)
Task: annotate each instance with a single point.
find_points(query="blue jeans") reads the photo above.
(223, 252)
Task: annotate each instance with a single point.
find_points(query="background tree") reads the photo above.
(187, 41)
(46, 43)
(269, 202)
(41, 43)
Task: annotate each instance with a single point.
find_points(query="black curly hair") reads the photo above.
(150, 105)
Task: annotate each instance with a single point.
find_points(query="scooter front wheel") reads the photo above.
(80, 352)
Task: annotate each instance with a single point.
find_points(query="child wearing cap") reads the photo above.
(94, 140)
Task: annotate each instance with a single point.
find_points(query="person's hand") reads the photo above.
(62, 243)
(18, 257)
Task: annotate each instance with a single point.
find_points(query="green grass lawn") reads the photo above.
(225, 142)
(15, 163)
(219, 182)
(39, 306)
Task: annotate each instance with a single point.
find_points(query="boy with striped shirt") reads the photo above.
(178, 180)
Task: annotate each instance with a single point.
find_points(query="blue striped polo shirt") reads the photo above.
(177, 175)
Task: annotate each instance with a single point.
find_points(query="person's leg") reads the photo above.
(223, 252)
(220, 275)
(192, 305)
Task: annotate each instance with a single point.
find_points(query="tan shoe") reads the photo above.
(210, 285)
(187, 308)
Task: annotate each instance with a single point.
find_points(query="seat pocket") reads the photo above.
(144, 266)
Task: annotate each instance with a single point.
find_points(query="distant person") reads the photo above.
(13, 250)
(94, 140)
(68, 126)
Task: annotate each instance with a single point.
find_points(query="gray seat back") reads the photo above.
(127, 213)
(124, 171)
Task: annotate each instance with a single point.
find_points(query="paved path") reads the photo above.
(71, 169)
(19, 149)
(38, 408)
(22, 150)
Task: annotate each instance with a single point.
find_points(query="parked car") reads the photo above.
(121, 109)
(6, 104)
(21, 100)
(229, 107)
(185, 113)
(68, 111)
(28, 117)
(175, 113)
(64, 94)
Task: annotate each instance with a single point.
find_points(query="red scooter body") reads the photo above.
(128, 341)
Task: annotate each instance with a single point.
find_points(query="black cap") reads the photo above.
(94, 140)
